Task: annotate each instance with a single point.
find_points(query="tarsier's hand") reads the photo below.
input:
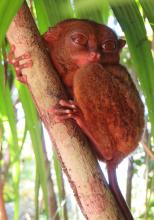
(16, 63)
(67, 110)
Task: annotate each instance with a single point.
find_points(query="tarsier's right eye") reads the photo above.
(79, 39)
(109, 46)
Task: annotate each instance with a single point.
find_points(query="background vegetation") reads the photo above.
(32, 185)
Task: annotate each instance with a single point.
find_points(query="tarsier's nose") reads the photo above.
(94, 56)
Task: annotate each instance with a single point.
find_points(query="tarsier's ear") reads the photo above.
(51, 35)
(121, 43)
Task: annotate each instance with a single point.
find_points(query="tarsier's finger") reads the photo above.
(22, 57)
(70, 104)
(62, 118)
(26, 65)
(60, 111)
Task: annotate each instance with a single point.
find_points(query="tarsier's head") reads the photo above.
(74, 43)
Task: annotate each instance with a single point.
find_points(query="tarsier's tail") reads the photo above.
(113, 184)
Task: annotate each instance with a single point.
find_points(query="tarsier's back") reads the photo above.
(109, 102)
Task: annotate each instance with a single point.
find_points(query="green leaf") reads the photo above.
(148, 8)
(8, 117)
(7, 11)
(91, 9)
(34, 127)
(50, 12)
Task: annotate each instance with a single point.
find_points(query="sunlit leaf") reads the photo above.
(148, 8)
(50, 12)
(91, 9)
(7, 11)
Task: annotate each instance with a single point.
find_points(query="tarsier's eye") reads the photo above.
(109, 46)
(79, 39)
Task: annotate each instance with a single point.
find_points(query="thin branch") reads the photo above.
(148, 151)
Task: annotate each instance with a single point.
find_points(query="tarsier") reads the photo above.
(104, 100)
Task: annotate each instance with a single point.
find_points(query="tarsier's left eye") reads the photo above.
(79, 39)
(109, 46)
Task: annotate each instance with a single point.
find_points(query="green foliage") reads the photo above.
(34, 128)
(148, 7)
(8, 119)
(47, 18)
(7, 11)
(94, 10)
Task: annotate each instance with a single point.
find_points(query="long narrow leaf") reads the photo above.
(7, 115)
(148, 8)
(7, 10)
(34, 128)
(49, 12)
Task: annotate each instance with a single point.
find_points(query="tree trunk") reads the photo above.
(77, 160)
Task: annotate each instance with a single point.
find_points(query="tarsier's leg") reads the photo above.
(16, 63)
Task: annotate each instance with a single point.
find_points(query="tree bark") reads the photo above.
(77, 160)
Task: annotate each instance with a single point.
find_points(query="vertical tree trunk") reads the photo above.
(77, 160)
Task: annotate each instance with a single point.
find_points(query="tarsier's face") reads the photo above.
(80, 42)
(87, 43)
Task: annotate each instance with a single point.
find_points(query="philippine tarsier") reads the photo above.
(106, 104)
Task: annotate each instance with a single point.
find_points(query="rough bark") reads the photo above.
(77, 160)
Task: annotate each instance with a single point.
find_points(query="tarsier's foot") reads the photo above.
(16, 63)
(66, 110)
